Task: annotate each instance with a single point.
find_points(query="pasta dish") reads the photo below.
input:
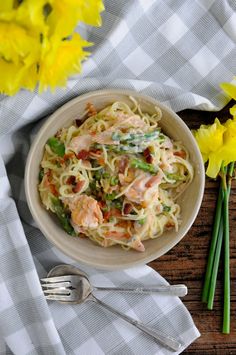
(115, 177)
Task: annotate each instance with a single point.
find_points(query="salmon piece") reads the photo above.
(80, 143)
(144, 188)
(85, 212)
(117, 235)
(138, 245)
(124, 122)
(154, 180)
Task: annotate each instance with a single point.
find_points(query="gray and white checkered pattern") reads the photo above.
(176, 51)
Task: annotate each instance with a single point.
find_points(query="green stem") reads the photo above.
(226, 312)
(212, 249)
(212, 285)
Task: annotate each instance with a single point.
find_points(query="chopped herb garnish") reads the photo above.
(142, 221)
(166, 208)
(111, 196)
(114, 181)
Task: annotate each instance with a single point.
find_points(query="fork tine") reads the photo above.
(56, 279)
(57, 291)
(57, 298)
(56, 284)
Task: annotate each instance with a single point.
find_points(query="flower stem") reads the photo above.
(226, 312)
(212, 285)
(212, 249)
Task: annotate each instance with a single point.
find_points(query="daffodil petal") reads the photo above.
(6, 5)
(61, 60)
(214, 165)
(232, 111)
(229, 89)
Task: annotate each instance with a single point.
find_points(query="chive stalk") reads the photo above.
(213, 244)
(215, 266)
(226, 311)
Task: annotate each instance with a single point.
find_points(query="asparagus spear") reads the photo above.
(140, 164)
(135, 137)
(56, 146)
(62, 215)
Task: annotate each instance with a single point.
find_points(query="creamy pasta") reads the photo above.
(116, 177)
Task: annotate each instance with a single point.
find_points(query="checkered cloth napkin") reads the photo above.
(176, 51)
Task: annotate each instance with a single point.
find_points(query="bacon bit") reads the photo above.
(123, 224)
(101, 204)
(78, 187)
(95, 152)
(101, 161)
(113, 212)
(127, 208)
(53, 189)
(93, 133)
(71, 180)
(170, 225)
(91, 109)
(83, 154)
(180, 153)
(107, 215)
(68, 156)
(122, 165)
(147, 155)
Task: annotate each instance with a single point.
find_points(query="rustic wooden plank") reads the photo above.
(186, 262)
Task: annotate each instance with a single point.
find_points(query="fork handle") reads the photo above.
(163, 339)
(172, 290)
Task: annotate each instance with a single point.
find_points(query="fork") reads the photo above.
(179, 290)
(63, 290)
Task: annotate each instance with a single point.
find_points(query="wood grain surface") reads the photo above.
(186, 262)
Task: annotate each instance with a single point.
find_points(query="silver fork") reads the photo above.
(179, 290)
(61, 289)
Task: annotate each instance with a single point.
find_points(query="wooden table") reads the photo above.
(186, 262)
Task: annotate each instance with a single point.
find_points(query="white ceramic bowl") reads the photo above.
(82, 249)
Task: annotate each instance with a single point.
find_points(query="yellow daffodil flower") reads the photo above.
(210, 138)
(217, 142)
(61, 60)
(38, 43)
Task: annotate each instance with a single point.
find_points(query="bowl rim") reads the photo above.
(103, 92)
